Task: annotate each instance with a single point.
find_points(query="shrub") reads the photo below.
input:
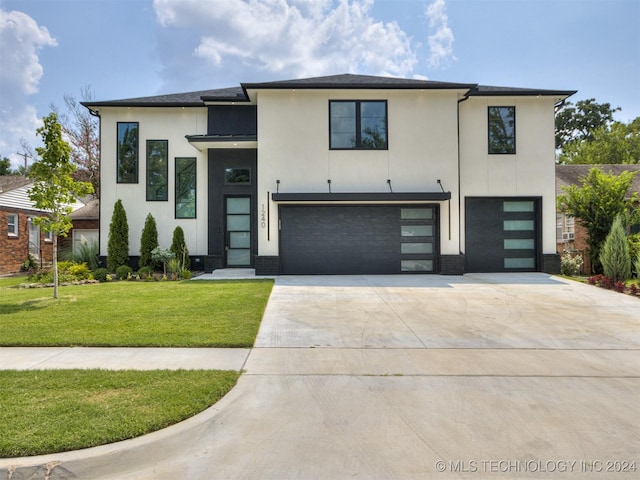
(614, 255)
(162, 255)
(123, 272)
(87, 252)
(29, 265)
(570, 264)
(101, 274)
(634, 252)
(145, 272)
(118, 245)
(179, 247)
(148, 241)
(185, 274)
(80, 271)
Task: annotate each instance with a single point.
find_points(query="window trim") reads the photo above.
(137, 156)
(195, 187)
(16, 225)
(358, 125)
(166, 171)
(511, 151)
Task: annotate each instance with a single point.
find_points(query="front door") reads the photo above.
(34, 240)
(238, 231)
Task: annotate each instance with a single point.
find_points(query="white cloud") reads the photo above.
(290, 38)
(20, 41)
(441, 38)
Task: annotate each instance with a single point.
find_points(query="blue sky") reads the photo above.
(131, 48)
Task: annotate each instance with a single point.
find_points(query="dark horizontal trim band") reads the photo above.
(361, 197)
(221, 138)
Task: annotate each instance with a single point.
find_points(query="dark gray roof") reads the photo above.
(187, 99)
(573, 174)
(9, 182)
(488, 91)
(343, 81)
(349, 80)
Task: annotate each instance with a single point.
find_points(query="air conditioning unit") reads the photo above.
(568, 236)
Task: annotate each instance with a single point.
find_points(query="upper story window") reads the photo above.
(127, 152)
(157, 170)
(12, 224)
(358, 125)
(502, 130)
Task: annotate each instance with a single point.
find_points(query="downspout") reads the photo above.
(463, 99)
(96, 113)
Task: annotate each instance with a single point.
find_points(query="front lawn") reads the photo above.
(49, 411)
(134, 314)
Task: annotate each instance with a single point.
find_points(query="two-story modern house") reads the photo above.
(344, 174)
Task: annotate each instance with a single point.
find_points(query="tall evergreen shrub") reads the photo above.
(614, 256)
(179, 248)
(118, 245)
(148, 241)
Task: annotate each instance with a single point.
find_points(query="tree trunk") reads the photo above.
(55, 265)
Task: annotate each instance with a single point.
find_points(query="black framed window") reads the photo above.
(237, 176)
(502, 130)
(157, 170)
(127, 152)
(358, 124)
(185, 187)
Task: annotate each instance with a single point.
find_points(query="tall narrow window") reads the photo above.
(185, 187)
(127, 152)
(12, 224)
(358, 125)
(502, 130)
(157, 170)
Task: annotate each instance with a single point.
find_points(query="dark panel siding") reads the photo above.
(339, 240)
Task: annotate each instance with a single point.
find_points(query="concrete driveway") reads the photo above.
(411, 377)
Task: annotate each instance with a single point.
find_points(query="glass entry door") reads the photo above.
(238, 231)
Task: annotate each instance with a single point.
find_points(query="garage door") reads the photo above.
(358, 239)
(502, 234)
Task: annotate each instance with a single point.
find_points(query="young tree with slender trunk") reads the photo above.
(54, 189)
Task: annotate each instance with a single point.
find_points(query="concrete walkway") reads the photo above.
(409, 377)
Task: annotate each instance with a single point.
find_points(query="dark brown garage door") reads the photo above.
(358, 239)
(502, 234)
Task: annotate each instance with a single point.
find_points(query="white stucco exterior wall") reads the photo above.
(293, 139)
(529, 172)
(155, 123)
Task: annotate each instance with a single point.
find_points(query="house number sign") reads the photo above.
(263, 216)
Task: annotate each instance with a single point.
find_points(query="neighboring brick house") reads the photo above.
(86, 226)
(570, 235)
(19, 237)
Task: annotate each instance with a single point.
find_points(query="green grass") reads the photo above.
(49, 411)
(134, 314)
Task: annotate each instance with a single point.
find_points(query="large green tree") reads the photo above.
(578, 122)
(596, 204)
(5, 166)
(54, 190)
(614, 144)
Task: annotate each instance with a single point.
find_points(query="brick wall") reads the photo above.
(15, 250)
